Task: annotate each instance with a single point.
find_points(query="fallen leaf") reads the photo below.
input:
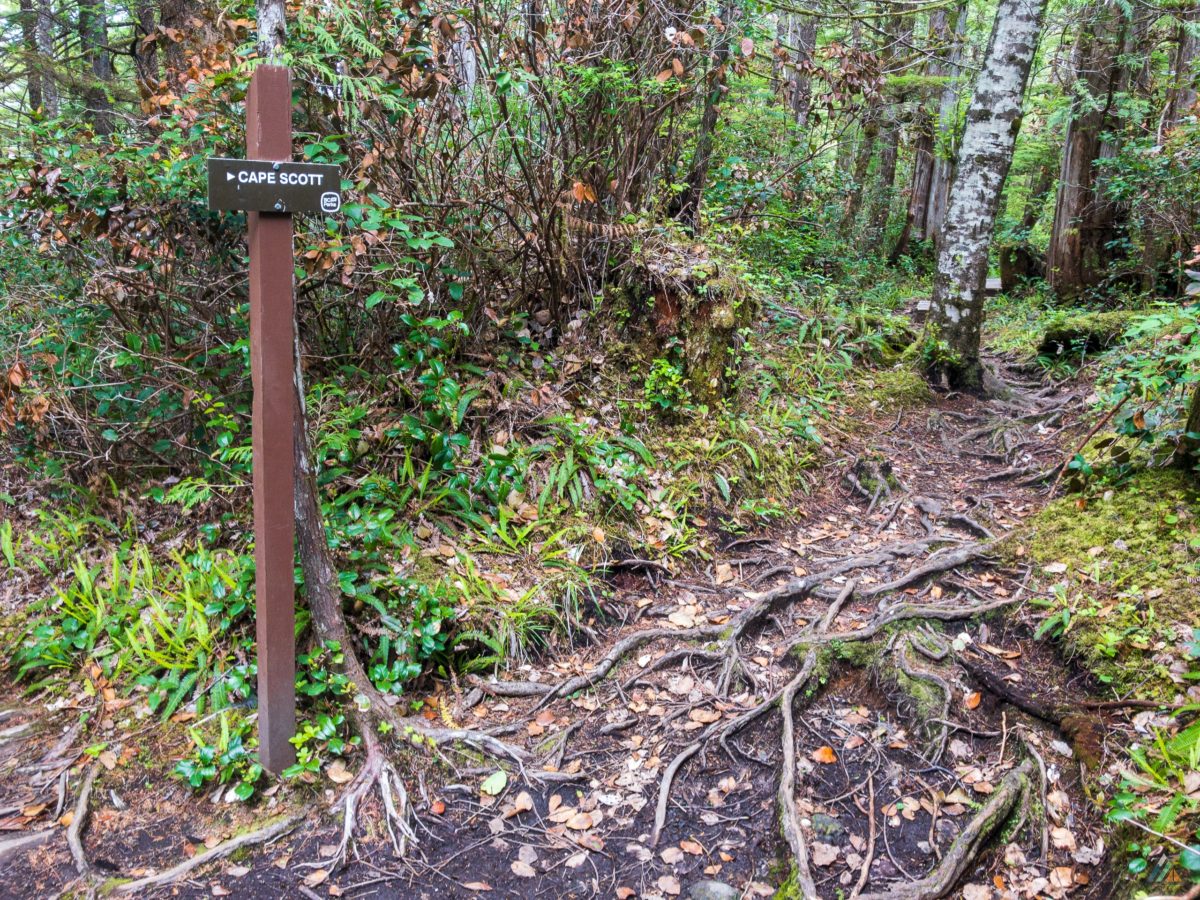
(523, 869)
(479, 886)
(495, 783)
(973, 700)
(704, 716)
(691, 847)
(624, 893)
(1063, 838)
(338, 773)
(671, 855)
(669, 884)
(824, 755)
(824, 854)
(315, 877)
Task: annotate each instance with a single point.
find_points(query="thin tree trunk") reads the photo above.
(1084, 221)
(993, 119)
(889, 152)
(98, 73)
(1185, 75)
(800, 83)
(33, 74)
(45, 49)
(941, 40)
(945, 143)
(862, 164)
(146, 51)
(687, 208)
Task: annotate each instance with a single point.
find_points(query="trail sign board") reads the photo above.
(260, 185)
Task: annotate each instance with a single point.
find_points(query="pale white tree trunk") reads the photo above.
(993, 120)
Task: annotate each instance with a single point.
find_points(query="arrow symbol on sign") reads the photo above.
(229, 176)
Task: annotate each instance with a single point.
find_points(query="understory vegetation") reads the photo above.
(610, 293)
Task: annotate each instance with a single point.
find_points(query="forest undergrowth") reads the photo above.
(835, 557)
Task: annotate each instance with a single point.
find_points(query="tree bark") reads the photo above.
(993, 120)
(803, 32)
(1185, 75)
(1084, 220)
(272, 26)
(45, 50)
(687, 207)
(946, 139)
(944, 45)
(145, 52)
(98, 71)
(862, 163)
(33, 75)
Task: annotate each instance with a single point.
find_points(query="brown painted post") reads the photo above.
(272, 345)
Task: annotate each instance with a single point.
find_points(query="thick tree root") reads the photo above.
(967, 846)
(261, 836)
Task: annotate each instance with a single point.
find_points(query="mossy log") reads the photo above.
(1086, 333)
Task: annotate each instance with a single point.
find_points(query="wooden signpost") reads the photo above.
(270, 188)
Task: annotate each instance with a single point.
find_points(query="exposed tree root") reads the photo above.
(79, 821)
(24, 842)
(966, 847)
(789, 815)
(938, 746)
(261, 836)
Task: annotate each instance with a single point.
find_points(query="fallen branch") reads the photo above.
(250, 838)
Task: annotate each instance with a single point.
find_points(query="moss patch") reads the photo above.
(1122, 573)
(1074, 334)
(891, 389)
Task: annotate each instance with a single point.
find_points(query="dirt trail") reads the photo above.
(825, 704)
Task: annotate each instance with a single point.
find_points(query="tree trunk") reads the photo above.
(946, 149)
(889, 152)
(1084, 220)
(45, 49)
(272, 26)
(944, 47)
(687, 207)
(1185, 75)
(1189, 451)
(33, 75)
(173, 16)
(98, 71)
(993, 119)
(145, 52)
(804, 34)
(862, 163)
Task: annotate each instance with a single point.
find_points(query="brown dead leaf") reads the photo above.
(691, 847)
(669, 885)
(704, 716)
(315, 877)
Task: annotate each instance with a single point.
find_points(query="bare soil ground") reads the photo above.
(883, 632)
